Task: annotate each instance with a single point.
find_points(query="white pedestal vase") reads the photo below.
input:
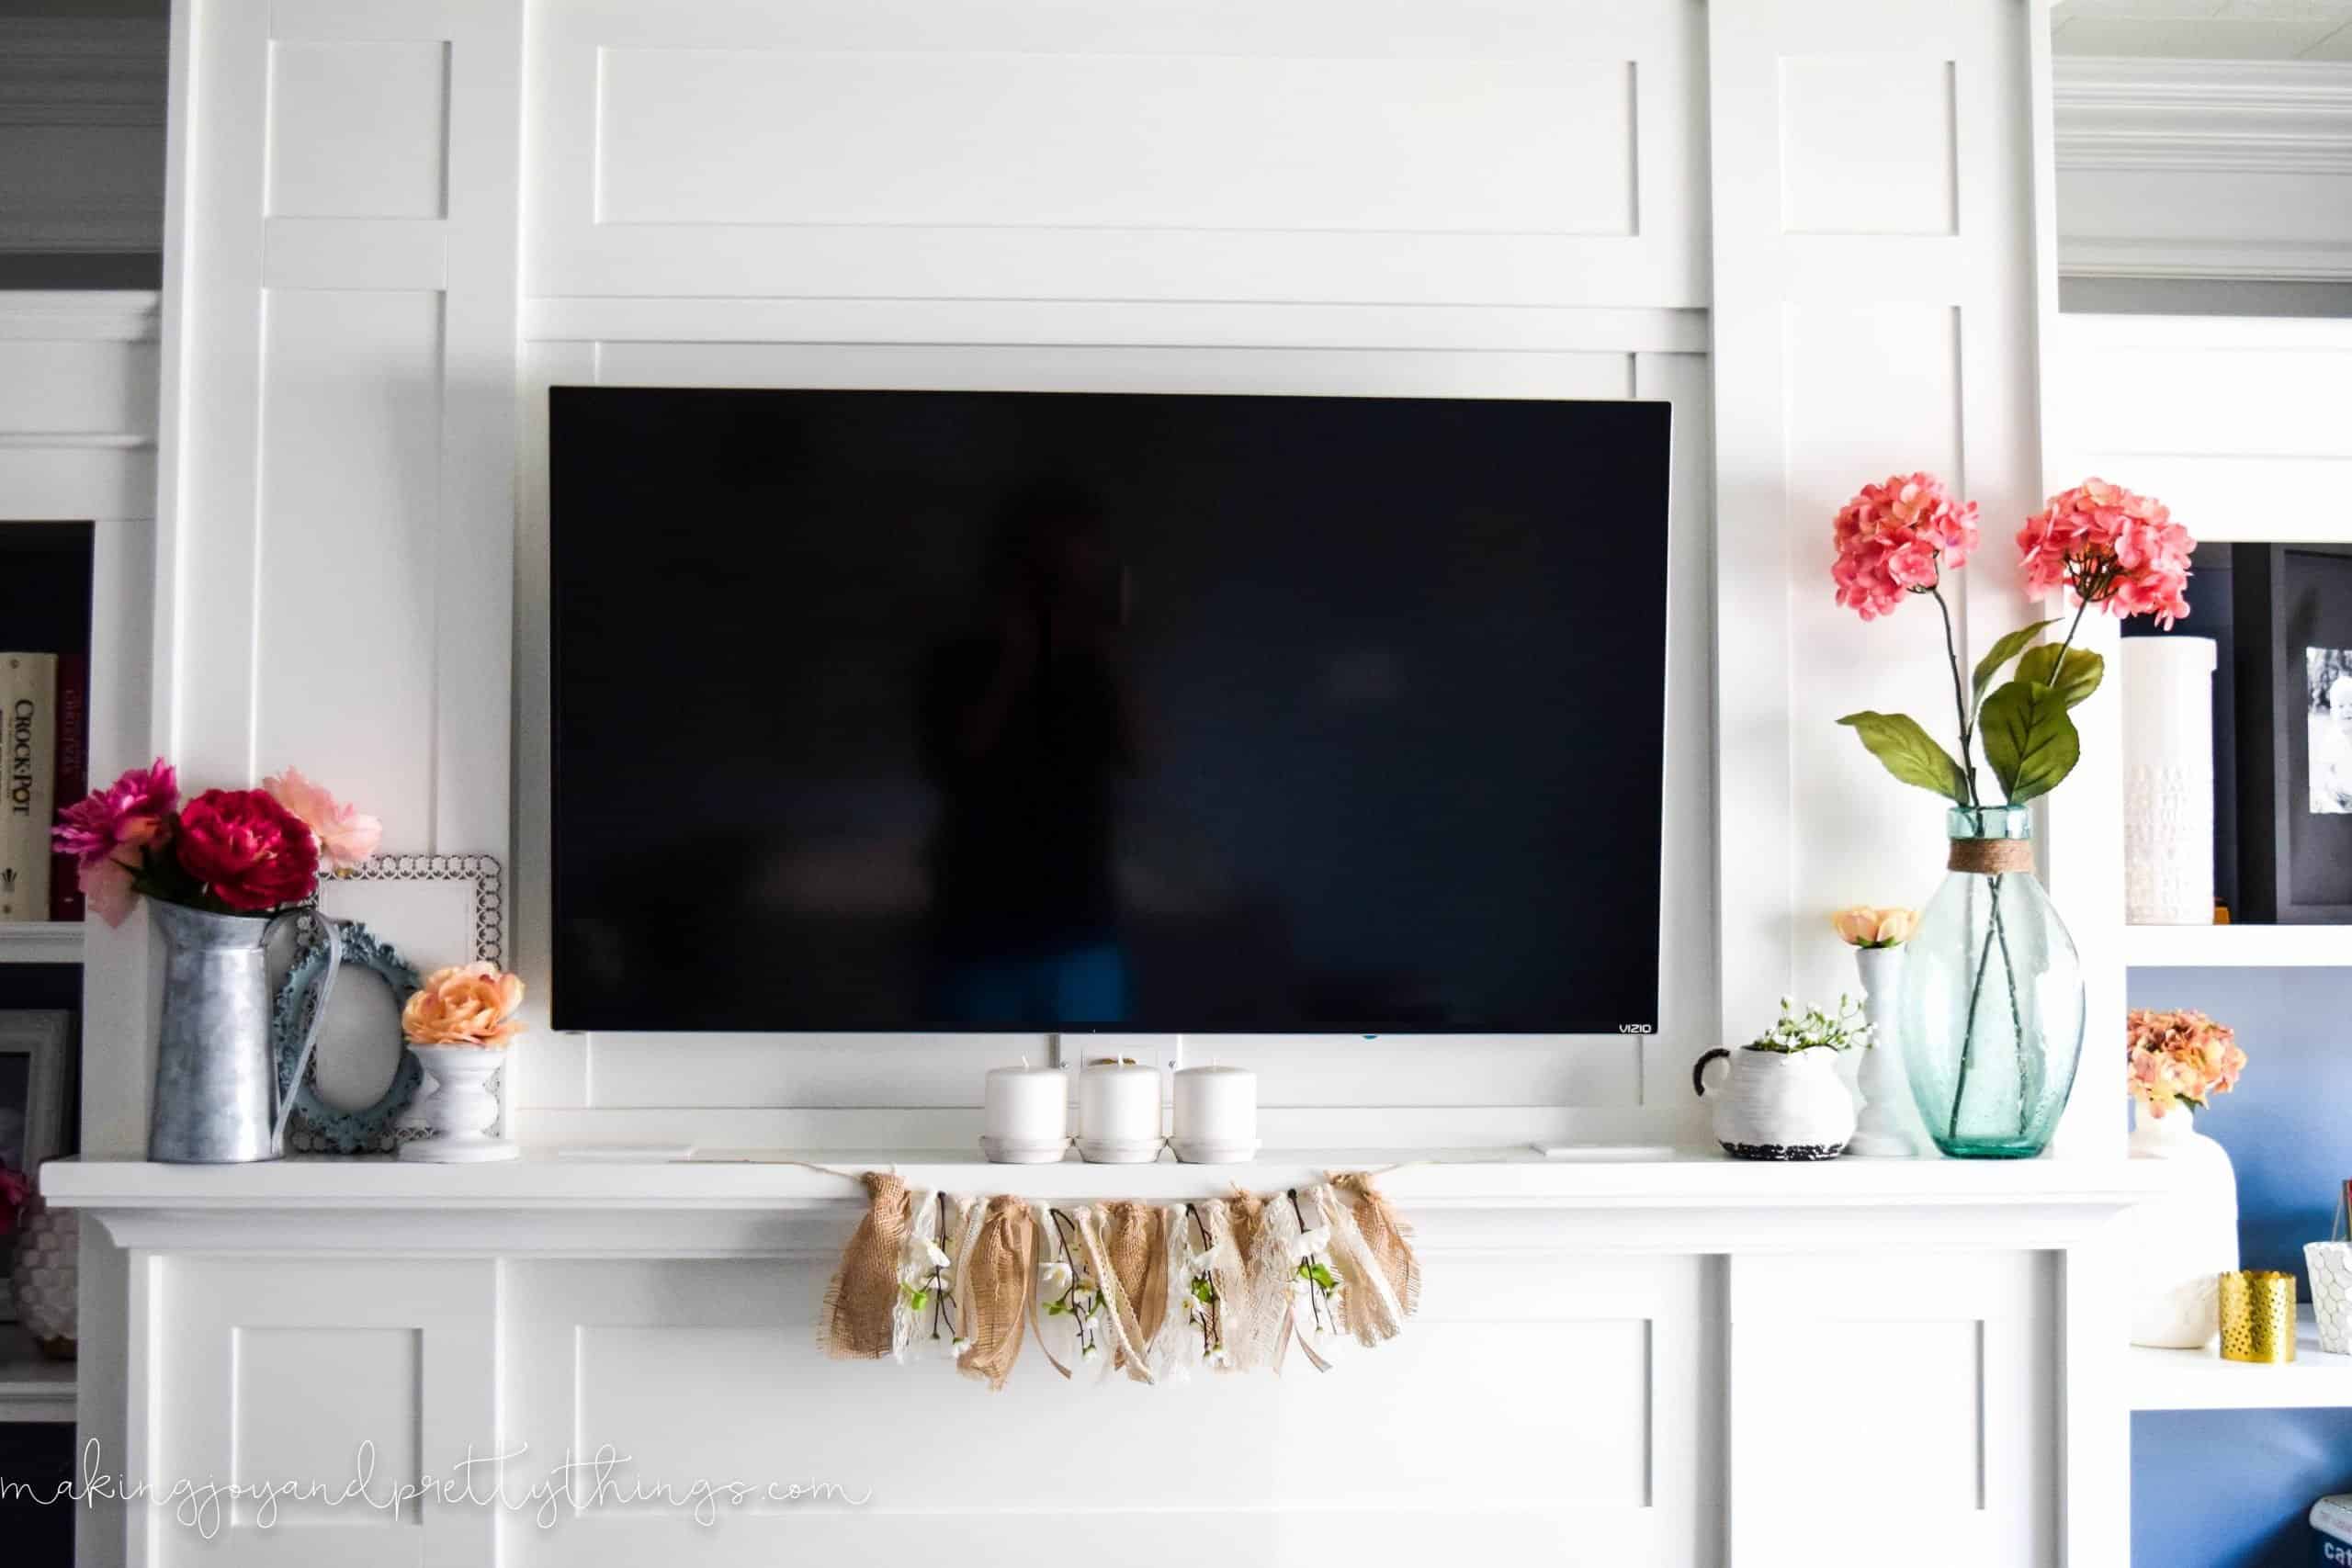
(2183, 1236)
(2168, 780)
(1881, 1088)
(462, 1110)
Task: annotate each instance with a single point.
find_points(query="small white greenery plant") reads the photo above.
(1814, 1029)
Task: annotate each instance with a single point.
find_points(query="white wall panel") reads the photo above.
(1508, 152)
(702, 136)
(1922, 1374)
(349, 556)
(1537, 1403)
(359, 130)
(1875, 286)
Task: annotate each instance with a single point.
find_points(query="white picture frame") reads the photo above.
(36, 1131)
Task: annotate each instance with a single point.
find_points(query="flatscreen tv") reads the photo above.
(926, 710)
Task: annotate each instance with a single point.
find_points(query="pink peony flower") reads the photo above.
(110, 832)
(250, 852)
(1897, 538)
(345, 838)
(131, 815)
(2111, 548)
(16, 1191)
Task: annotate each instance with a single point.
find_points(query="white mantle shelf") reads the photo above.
(765, 1179)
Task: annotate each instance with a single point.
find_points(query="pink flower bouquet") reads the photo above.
(2104, 545)
(231, 852)
(2179, 1058)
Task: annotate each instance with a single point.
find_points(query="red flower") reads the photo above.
(251, 852)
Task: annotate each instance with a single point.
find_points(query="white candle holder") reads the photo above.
(462, 1110)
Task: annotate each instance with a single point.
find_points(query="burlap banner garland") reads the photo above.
(1152, 1291)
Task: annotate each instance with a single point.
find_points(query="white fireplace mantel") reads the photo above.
(1614, 1360)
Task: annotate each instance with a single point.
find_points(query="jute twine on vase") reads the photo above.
(1990, 857)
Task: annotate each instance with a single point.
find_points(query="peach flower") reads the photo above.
(2179, 1058)
(345, 836)
(1863, 926)
(467, 1004)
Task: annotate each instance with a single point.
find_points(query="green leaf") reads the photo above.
(1055, 1309)
(1203, 1291)
(1323, 1276)
(918, 1300)
(2081, 677)
(1988, 668)
(1897, 740)
(2029, 738)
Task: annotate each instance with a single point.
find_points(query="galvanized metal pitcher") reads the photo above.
(219, 1097)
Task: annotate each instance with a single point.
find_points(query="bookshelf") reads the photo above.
(31, 1387)
(2200, 1379)
(41, 941)
(2225, 947)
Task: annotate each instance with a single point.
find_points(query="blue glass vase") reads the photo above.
(1991, 1005)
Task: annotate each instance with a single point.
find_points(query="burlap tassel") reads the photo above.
(994, 1279)
(859, 1318)
(1386, 1237)
(1258, 1326)
(1368, 1304)
(1123, 1322)
(1135, 1244)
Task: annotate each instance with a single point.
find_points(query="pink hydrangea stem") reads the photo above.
(1959, 696)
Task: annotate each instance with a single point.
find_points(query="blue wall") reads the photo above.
(2229, 1488)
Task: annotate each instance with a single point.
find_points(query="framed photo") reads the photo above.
(36, 1096)
(2294, 692)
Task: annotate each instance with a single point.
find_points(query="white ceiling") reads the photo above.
(2205, 30)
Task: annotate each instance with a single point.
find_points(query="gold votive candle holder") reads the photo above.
(2258, 1317)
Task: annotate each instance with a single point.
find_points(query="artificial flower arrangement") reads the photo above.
(1815, 1029)
(228, 851)
(16, 1191)
(465, 1004)
(2179, 1058)
(2103, 544)
(1866, 927)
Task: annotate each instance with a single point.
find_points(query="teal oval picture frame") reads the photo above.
(367, 1129)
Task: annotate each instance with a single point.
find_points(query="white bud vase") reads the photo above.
(1882, 1089)
(2183, 1236)
(462, 1108)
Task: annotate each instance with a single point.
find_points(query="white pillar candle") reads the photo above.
(2168, 780)
(1216, 1115)
(1118, 1112)
(1028, 1114)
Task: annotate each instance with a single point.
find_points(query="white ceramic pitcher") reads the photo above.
(1777, 1104)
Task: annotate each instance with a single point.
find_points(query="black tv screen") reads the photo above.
(919, 710)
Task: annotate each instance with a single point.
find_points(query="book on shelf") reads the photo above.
(73, 780)
(28, 710)
(2332, 1524)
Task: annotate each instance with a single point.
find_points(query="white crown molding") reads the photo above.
(76, 72)
(2245, 116)
(2140, 255)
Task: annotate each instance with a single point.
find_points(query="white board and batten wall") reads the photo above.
(1820, 229)
(405, 209)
